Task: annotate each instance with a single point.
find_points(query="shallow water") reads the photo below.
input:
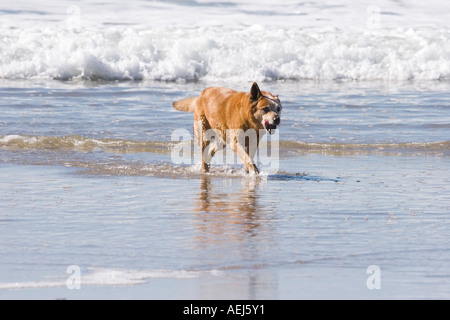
(87, 179)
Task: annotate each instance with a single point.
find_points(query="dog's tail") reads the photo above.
(186, 105)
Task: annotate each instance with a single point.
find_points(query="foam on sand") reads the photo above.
(109, 277)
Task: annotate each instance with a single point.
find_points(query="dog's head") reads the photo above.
(266, 108)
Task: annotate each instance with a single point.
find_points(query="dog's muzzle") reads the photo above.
(271, 126)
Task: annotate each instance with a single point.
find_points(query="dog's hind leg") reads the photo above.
(212, 142)
(197, 128)
(204, 136)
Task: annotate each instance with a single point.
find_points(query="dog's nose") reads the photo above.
(276, 120)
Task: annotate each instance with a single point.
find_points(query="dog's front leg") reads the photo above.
(237, 143)
(252, 152)
(247, 157)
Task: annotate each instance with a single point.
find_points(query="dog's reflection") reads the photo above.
(235, 232)
(223, 209)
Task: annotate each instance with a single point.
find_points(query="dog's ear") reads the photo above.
(255, 93)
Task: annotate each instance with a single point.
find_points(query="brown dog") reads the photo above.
(237, 118)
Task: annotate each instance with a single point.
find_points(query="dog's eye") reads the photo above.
(266, 109)
(278, 109)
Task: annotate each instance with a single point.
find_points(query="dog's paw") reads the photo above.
(251, 168)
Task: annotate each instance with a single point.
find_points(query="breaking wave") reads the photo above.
(254, 52)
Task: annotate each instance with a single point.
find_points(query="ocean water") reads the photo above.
(354, 203)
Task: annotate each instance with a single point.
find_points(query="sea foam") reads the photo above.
(234, 41)
(251, 53)
(111, 277)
